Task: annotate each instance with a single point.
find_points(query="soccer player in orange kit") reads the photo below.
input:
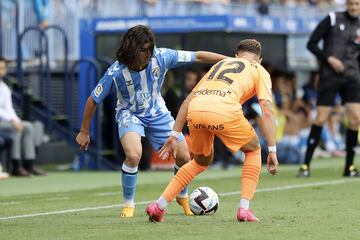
(215, 108)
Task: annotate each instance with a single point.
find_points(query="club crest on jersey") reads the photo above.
(156, 72)
(357, 40)
(98, 90)
(342, 27)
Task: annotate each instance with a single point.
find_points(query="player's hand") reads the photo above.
(336, 64)
(272, 163)
(83, 139)
(169, 149)
(17, 125)
(43, 24)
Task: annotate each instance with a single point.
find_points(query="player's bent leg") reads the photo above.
(183, 177)
(353, 115)
(249, 180)
(131, 143)
(183, 157)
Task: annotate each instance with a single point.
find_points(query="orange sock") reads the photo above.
(182, 178)
(250, 174)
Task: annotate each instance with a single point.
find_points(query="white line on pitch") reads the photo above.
(281, 188)
(295, 186)
(8, 203)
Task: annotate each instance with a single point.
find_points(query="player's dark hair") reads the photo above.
(249, 45)
(131, 43)
(2, 59)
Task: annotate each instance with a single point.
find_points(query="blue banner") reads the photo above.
(262, 24)
(163, 24)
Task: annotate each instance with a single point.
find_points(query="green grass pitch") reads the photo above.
(86, 205)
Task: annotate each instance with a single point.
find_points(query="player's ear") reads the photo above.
(236, 55)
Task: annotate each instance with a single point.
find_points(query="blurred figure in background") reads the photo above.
(42, 12)
(170, 96)
(5, 146)
(23, 134)
(339, 72)
(331, 134)
(191, 79)
(310, 93)
(263, 7)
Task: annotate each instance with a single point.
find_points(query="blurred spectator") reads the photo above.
(203, 71)
(263, 7)
(339, 73)
(23, 135)
(291, 144)
(191, 79)
(5, 145)
(218, 7)
(279, 87)
(310, 92)
(3, 175)
(42, 12)
(331, 135)
(168, 92)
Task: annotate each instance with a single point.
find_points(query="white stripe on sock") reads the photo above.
(128, 169)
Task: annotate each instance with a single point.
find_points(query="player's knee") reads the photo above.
(321, 117)
(133, 159)
(28, 128)
(251, 146)
(182, 158)
(354, 121)
(203, 161)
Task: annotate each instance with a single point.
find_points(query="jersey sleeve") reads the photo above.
(103, 88)
(263, 85)
(319, 33)
(173, 58)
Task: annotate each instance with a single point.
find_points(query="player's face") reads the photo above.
(353, 8)
(3, 69)
(145, 55)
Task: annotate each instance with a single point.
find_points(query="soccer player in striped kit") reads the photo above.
(138, 75)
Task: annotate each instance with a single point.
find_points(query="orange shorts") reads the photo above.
(233, 132)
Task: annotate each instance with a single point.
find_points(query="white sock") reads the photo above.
(162, 203)
(244, 203)
(129, 203)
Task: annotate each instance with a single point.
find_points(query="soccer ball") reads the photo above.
(203, 201)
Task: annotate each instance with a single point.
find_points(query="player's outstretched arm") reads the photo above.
(208, 57)
(83, 137)
(268, 122)
(169, 148)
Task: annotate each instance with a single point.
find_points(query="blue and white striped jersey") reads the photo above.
(139, 92)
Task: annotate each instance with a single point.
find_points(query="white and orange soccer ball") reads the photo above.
(203, 201)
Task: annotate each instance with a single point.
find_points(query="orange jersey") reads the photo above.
(230, 83)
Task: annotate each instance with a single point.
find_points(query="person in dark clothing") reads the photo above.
(339, 73)
(170, 97)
